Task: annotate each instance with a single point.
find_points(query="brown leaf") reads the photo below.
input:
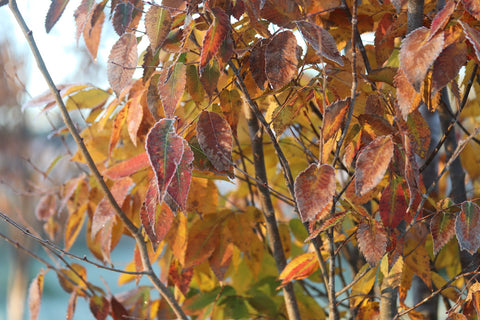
(209, 77)
(257, 64)
(122, 17)
(171, 86)
(473, 36)
(157, 24)
(72, 303)
(314, 188)
(447, 65)
(320, 40)
(372, 241)
(92, 32)
(442, 17)
(418, 133)
(408, 99)
(82, 16)
(281, 59)
(393, 205)
(334, 117)
(202, 241)
(54, 13)
(231, 103)
(122, 62)
(473, 7)
(467, 227)
(280, 12)
(372, 163)
(134, 117)
(417, 54)
(35, 292)
(214, 37)
(100, 307)
(215, 138)
(442, 227)
(384, 41)
(46, 207)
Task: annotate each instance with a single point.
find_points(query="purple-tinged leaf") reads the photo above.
(467, 227)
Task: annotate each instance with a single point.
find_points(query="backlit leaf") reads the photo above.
(54, 13)
(384, 41)
(214, 37)
(46, 207)
(419, 133)
(231, 103)
(215, 138)
(417, 54)
(122, 62)
(92, 32)
(148, 211)
(89, 98)
(74, 225)
(393, 205)
(122, 17)
(77, 276)
(300, 267)
(209, 77)
(257, 64)
(180, 184)
(334, 117)
(180, 277)
(416, 256)
(473, 7)
(442, 227)
(363, 285)
(447, 65)
(171, 86)
(372, 163)
(100, 307)
(202, 241)
(473, 35)
(134, 117)
(82, 15)
(372, 241)
(157, 24)
(35, 292)
(442, 17)
(467, 227)
(281, 59)
(165, 151)
(193, 85)
(320, 40)
(314, 188)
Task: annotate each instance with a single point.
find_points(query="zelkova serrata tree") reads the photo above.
(321, 135)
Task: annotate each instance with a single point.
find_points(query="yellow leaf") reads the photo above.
(363, 286)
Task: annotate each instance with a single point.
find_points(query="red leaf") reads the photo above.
(180, 278)
(215, 138)
(104, 212)
(180, 184)
(314, 188)
(393, 205)
(372, 162)
(165, 150)
(300, 267)
(35, 292)
(384, 41)
(320, 40)
(171, 86)
(128, 167)
(442, 18)
(118, 310)
(122, 17)
(163, 221)
(46, 207)
(473, 36)
(157, 24)
(100, 307)
(447, 65)
(281, 59)
(54, 13)
(214, 37)
(473, 7)
(442, 227)
(372, 241)
(334, 117)
(467, 227)
(417, 54)
(148, 211)
(122, 62)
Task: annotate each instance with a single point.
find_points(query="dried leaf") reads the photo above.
(320, 40)
(157, 24)
(417, 54)
(300, 267)
(231, 103)
(148, 211)
(473, 35)
(180, 184)
(384, 41)
(467, 227)
(122, 17)
(215, 138)
(54, 13)
(214, 37)
(122, 62)
(82, 16)
(442, 227)
(447, 65)
(171, 86)
(393, 205)
(334, 117)
(280, 12)
(314, 188)
(72, 303)
(442, 17)
(35, 292)
(372, 241)
(372, 163)
(473, 7)
(134, 117)
(281, 59)
(418, 133)
(46, 207)
(100, 307)
(257, 64)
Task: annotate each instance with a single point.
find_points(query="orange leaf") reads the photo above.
(128, 167)
(202, 241)
(372, 163)
(473, 7)
(334, 117)
(82, 16)
(92, 31)
(231, 103)
(417, 54)
(54, 13)
(372, 241)
(134, 117)
(281, 59)
(214, 36)
(122, 62)
(314, 188)
(35, 292)
(300, 267)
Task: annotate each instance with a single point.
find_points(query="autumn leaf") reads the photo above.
(442, 17)
(467, 227)
(320, 40)
(54, 13)
(157, 24)
(231, 103)
(77, 277)
(257, 64)
(209, 77)
(100, 307)
(202, 241)
(384, 41)
(82, 16)
(165, 150)
(417, 54)
(363, 283)
(372, 241)
(46, 207)
(372, 163)
(442, 227)
(148, 211)
(92, 32)
(334, 117)
(418, 133)
(314, 188)
(134, 117)
(215, 138)
(171, 86)
(473, 7)
(447, 65)
(35, 292)
(473, 36)
(300, 267)
(214, 37)
(122, 62)
(180, 184)
(393, 204)
(122, 17)
(281, 59)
